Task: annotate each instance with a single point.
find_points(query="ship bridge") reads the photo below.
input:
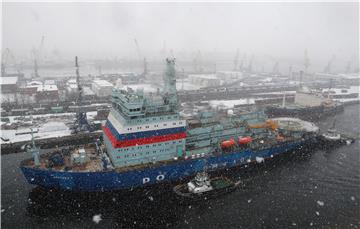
(145, 128)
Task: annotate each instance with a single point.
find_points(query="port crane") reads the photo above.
(36, 53)
(81, 122)
(5, 61)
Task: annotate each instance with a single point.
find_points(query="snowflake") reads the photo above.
(320, 203)
(97, 218)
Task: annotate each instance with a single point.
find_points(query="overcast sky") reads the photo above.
(96, 29)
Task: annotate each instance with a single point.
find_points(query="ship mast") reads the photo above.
(170, 93)
(33, 150)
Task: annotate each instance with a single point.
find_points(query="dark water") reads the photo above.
(316, 189)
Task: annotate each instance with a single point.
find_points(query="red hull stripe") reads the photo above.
(141, 141)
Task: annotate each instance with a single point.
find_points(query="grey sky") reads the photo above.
(102, 29)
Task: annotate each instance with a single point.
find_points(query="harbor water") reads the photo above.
(313, 189)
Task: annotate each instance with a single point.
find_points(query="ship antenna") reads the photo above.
(32, 137)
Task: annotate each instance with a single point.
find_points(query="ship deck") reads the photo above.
(93, 160)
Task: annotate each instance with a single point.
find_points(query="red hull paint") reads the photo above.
(142, 141)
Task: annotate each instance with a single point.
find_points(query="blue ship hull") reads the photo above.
(113, 180)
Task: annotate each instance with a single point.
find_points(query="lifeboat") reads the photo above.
(244, 140)
(227, 143)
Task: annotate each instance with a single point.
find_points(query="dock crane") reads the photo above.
(306, 61)
(81, 122)
(36, 53)
(276, 68)
(145, 71)
(5, 61)
(236, 60)
(137, 49)
(4, 58)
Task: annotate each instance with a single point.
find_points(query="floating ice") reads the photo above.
(97, 218)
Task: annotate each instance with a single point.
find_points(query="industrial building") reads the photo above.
(204, 80)
(47, 93)
(102, 88)
(9, 84)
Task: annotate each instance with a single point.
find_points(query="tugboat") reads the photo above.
(333, 138)
(204, 187)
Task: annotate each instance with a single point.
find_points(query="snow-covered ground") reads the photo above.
(49, 126)
(339, 91)
(185, 85)
(47, 130)
(278, 92)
